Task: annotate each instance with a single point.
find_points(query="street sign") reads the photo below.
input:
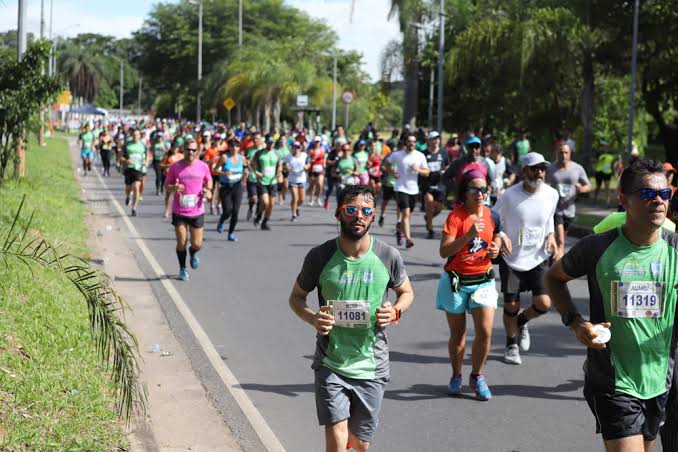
(302, 100)
(229, 104)
(64, 98)
(347, 97)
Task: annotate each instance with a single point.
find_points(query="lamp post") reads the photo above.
(21, 28)
(334, 91)
(198, 117)
(441, 51)
(632, 106)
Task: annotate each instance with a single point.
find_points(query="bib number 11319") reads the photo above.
(637, 299)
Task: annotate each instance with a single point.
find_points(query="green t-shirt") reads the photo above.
(159, 150)
(86, 140)
(632, 287)
(604, 163)
(361, 157)
(283, 152)
(346, 167)
(360, 351)
(250, 154)
(136, 153)
(96, 133)
(268, 166)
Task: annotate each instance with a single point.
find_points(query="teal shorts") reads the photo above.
(463, 300)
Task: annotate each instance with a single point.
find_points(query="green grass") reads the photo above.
(584, 219)
(54, 392)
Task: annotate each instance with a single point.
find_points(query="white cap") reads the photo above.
(433, 134)
(317, 138)
(532, 159)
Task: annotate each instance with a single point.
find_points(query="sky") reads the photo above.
(368, 33)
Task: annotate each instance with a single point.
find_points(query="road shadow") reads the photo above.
(288, 390)
(157, 278)
(424, 276)
(414, 358)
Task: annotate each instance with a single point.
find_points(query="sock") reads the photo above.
(192, 250)
(181, 255)
(475, 376)
(263, 223)
(511, 341)
(521, 319)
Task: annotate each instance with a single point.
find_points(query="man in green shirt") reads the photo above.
(632, 272)
(86, 143)
(267, 167)
(135, 158)
(352, 274)
(252, 196)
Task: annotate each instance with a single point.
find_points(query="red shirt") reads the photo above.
(472, 259)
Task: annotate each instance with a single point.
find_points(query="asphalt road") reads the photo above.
(239, 295)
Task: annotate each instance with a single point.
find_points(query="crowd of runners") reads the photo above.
(509, 207)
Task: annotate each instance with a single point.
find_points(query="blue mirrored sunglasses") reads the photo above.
(648, 194)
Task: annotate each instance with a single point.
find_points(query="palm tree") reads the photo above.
(82, 71)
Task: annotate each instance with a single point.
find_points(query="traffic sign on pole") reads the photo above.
(229, 104)
(347, 97)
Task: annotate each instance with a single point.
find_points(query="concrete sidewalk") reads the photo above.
(179, 413)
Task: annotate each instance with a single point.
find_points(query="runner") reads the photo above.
(190, 181)
(159, 147)
(520, 147)
(388, 191)
(297, 164)
(317, 157)
(407, 165)
(604, 170)
(105, 148)
(346, 169)
(526, 213)
(434, 192)
(503, 173)
(174, 154)
(632, 272)
(283, 180)
(330, 168)
(352, 274)
(86, 143)
(252, 196)
(570, 179)
(470, 240)
(267, 166)
(231, 169)
(362, 156)
(374, 168)
(136, 159)
(454, 173)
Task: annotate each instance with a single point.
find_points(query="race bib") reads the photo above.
(531, 236)
(486, 296)
(565, 190)
(188, 200)
(348, 180)
(269, 171)
(637, 299)
(317, 168)
(234, 177)
(351, 313)
(373, 171)
(297, 167)
(135, 159)
(434, 166)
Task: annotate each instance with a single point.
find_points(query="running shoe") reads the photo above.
(523, 338)
(249, 215)
(409, 244)
(141, 198)
(134, 213)
(294, 218)
(127, 201)
(265, 227)
(512, 355)
(195, 261)
(479, 385)
(381, 222)
(183, 274)
(220, 228)
(454, 388)
(399, 238)
(232, 237)
(431, 234)
(327, 204)
(257, 220)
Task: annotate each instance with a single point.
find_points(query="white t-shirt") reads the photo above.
(407, 181)
(527, 218)
(296, 166)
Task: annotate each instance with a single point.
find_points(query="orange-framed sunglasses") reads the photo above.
(352, 210)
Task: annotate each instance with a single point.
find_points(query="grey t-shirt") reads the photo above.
(564, 181)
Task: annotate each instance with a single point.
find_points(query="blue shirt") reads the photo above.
(236, 170)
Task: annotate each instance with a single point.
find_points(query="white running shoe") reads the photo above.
(523, 338)
(512, 355)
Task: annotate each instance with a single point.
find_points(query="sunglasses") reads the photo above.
(475, 190)
(192, 149)
(649, 194)
(474, 146)
(352, 210)
(536, 168)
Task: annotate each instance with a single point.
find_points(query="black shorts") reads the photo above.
(132, 176)
(251, 189)
(387, 192)
(602, 177)
(620, 415)
(270, 190)
(193, 222)
(559, 218)
(375, 179)
(405, 201)
(513, 281)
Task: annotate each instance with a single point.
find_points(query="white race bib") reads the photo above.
(637, 299)
(435, 167)
(135, 158)
(373, 171)
(486, 296)
(351, 313)
(348, 180)
(565, 190)
(531, 236)
(269, 171)
(297, 167)
(234, 177)
(317, 168)
(188, 200)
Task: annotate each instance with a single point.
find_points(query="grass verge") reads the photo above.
(54, 392)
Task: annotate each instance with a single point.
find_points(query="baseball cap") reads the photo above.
(533, 159)
(317, 138)
(473, 140)
(296, 144)
(270, 139)
(433, 134)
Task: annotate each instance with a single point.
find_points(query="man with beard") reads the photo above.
(526, 215)
(353, 274)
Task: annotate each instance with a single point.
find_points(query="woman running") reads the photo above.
(317, 157)
(346, 169)
(470, 240)
(297, 164)
(230, 168)
(105, 148)
(374, 168)
(362, 156)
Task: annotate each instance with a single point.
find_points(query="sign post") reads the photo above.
(347, 98)
(228, 105)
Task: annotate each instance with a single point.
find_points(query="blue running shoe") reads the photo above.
(232, 237)
(183, 274)
(195, 261)
(454, 388)
(479, 385)
(220, 228)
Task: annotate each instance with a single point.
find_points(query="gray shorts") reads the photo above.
(338, 398)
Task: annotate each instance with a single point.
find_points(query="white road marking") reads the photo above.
(256, 420)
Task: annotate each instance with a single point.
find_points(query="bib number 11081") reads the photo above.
(351, 313)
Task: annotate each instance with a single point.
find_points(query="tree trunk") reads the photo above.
(668, 132)
(588, 110)
(267, 115)
(411, 66)
(257, 116)
(20, 158)
(276, 112)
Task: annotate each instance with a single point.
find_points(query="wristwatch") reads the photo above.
(569, 317)
(397, 314)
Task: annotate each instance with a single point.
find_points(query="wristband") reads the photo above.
(397, 315)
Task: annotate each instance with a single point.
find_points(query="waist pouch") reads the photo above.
(457, 280)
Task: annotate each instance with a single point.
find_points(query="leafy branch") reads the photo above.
(116, 345)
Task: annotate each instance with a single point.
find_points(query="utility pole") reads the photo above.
(50, 66)
(334, 92)
(139, 98)
(240, 23)
(632, 106)
(21, 28)
(198, 117)
(441, 54)
(431, 91)
(41, 132)
(122, 79)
